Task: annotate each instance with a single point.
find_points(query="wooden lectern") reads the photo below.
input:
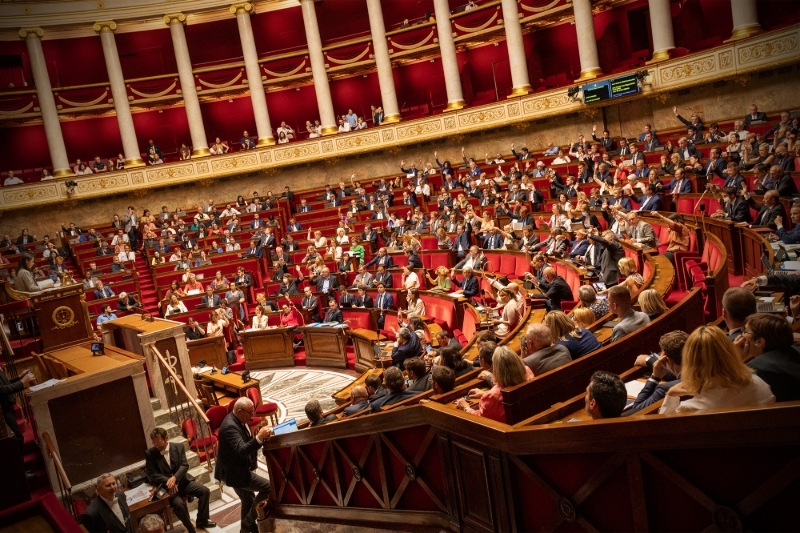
(364, 342)
(325, 346)
(63, 316)
(210, 349)
(135, 333)
(268, 348)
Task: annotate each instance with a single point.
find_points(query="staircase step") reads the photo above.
(155, 404)
(201, 475)
(162, 417)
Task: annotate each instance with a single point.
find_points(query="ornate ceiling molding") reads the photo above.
(74, 18)
(730, 61)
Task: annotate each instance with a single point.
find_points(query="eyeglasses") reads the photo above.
(745, 332)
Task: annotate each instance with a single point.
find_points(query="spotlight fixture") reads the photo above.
(70, 185)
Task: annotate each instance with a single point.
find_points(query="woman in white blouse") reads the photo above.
(557, 219)
(416, 307)
(341, 237)
(509, 318)
(175, 306)
(217, 322)
(319, 241)
(259, 319)
(561, 159)
(410, 278)
(713, 374)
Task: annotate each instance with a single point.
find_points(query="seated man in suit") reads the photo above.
(209, 298)
(363, 299)
(469, 285)
(555, 288)
(405, 347)
(166, 464)
(127, 302)
(538, 351)
(666, 366)
(619, 302)
(315, 416)
(641, 233)
(443, 379)
(769, 342)
(382, 258)
(108, 513)
(735, 208)
(754, 115)
(415, 367)
(395, 384)
(605, 396)
(334, 314)
(101, 291)
(359, 400)
(791, 236)
(769, 211)
(311, 304)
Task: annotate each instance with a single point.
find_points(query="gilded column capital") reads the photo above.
(242, 7)
(174, 18)
(24, 33)
(105, 25)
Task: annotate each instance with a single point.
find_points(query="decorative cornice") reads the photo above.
(731, 61)
(174, 18)
(106, 25)
(24, 33)
(243, 7)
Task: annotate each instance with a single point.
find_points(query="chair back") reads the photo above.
(255, 395)
(189, 429)
(42, 366)
(216, 414)
(208, 392)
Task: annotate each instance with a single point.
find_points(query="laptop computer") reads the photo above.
(286, 427)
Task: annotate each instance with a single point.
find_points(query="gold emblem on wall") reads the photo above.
(63, 317)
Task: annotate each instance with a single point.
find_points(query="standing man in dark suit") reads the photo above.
(166, 464)
(383, 301)
(236, 461)
(108, 513)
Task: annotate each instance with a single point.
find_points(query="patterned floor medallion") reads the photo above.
(292, 389)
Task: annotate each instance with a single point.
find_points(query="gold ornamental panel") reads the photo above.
(354, 142)
(240, 162)
(416, 130)
(171, 172)
(63, 317)
(768, 50)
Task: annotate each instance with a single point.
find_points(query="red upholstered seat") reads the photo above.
(508, 264)
(269, 409)
(254, 420)
(438, 258)
(216, 414)
(205, 442)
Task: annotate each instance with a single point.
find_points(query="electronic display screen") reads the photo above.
(596, 92)
(624, 86)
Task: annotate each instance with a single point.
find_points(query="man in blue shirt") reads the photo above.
(106, 315)
(791, 236)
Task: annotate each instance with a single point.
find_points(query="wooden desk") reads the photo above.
(79, 359)
(231, 382)
(212, 349)
(268, 348)
(342, 396)
(364, 342)
(145, 507)
(325, 346)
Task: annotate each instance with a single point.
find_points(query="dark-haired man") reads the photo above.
(769, 341)
(605, 396)
(417, 372)
(396, 385)
(166, 464)
(666, 365)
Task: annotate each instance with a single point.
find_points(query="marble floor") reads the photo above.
(291, 389)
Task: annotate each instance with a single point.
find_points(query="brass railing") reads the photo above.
(188, 409)
(64, 486)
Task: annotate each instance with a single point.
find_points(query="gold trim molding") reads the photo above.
(732, 61)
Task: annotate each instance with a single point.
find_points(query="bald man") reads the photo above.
(359, 400)
(555, 288)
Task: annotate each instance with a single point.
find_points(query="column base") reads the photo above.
(63, 173)
(266, 141)
(522, 90)
(660, 55)
(455, 105)
(201, 152)
(330, 130)
(391, 119)
(134, 163)
(590, 74)
(743, 32)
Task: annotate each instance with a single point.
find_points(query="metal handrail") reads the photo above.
(196, 413)
(65, 487)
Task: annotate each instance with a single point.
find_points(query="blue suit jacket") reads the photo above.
(686, 186)
(791, 236)
(385, 303)
(469, 285)
(579, 248)
(653, 204)
(650, 394)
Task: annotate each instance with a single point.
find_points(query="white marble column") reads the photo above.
(385, 77)
(191, 103)
(661, 28)
(587, 42)
(130, 146)
(257, 96)
(745, 19)
(323, 91)
(47, 103)
(447, 48)
(517, 61)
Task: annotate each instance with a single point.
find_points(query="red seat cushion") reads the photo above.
(266, 408)
(207, 442)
